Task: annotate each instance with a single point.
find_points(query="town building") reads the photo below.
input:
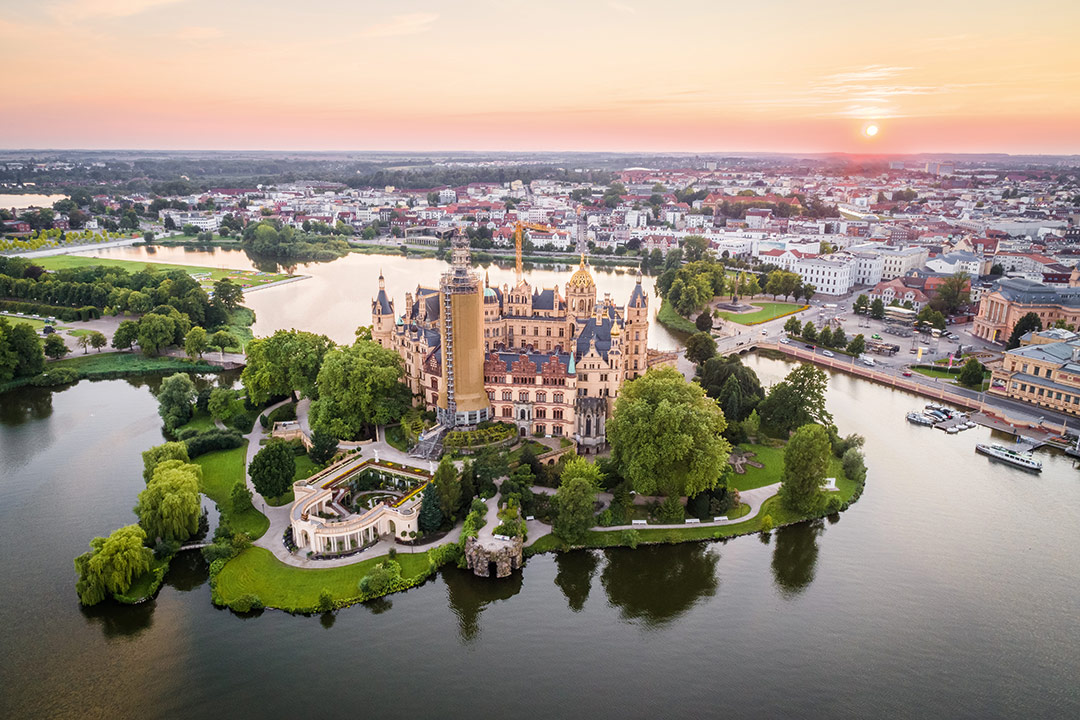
(1046, 374)
(1012, 298)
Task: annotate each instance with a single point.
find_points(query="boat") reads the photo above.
(952, 430)
(919, 419)
(1009, 455)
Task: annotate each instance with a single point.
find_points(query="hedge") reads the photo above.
(212, 440)
(67, 314)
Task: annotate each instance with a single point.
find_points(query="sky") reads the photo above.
(561, 75)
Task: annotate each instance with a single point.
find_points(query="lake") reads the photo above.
(22, 202)
(949, 590)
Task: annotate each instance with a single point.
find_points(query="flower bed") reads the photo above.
(499, 432)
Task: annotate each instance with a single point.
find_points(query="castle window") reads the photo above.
(507, 395)
(541, 396)
(536, 331)
(558, 397)
(557, 413)
(549, 332)
(557, 430)
(434, 383)
(541, 430)
(523, 396)
(491, 394)
(507, 411)
(561, 331)
(541, 413)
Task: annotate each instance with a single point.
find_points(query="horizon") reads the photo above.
(605, 76)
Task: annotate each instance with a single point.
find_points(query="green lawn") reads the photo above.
(36, 324)
(257, 572)
(766, 311)
(146, 584)
(771, 458)
(395, 436)
(221, 471)
(668, 316)
(305, 468)
(205, 275)
(106, 363)
(201, 421)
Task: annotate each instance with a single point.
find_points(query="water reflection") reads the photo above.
(187, 571)
(574, 576)
(120, 621)
(795, 557)
(469, 595)
(655, 585)
(25, 405)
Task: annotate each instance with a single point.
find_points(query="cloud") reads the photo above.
(198, 32)
(79, 10)
(408, 24)
(622, 7)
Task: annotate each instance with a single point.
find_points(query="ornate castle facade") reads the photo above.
(552, 362)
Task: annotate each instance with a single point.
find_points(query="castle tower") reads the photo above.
(580, 297)
(382, 316)
(463, 400)
(636, 335)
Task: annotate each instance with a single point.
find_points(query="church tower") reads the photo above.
(463, 400)
(580, 297)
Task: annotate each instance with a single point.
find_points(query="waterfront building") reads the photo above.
(1012, 298)
(549, 360)
(1042, 373)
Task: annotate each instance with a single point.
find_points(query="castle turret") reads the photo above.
(382, 315)
(580, 297)
(636, 334)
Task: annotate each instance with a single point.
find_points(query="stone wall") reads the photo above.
(506, 555)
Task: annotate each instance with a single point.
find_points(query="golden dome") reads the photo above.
(616, 331)
(581, 277)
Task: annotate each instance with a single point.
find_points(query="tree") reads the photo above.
(793, 326)
(931, 317)
(862, 304)
(431, 516)
(700, 347)
(55, 347)
(98, 340)
(806, 459)
(287, 361)
(175, 399)
(877, 309)
(112, 564)
(83, 341)
(359, 386)
(796, 400)
(695, 247)
(126, 335)
(715, 376)
(666, 435)
(219, 405)
(22, 348)
(972, 373)
(704, 321)
(448, 487)
(857, 346)
(272, 469)
(953, 293)
(222, 339)
(155, 332)
(575, 499)
(323, 447)
(228, 293)
(170, 506)
(1028, 323)
(808, 292)
(195, 342)
(240, 497)
(825, 338)
(809, 332)
(160, 453)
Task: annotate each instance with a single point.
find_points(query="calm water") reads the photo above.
(21, 202)
(337, 297)
(949, 590)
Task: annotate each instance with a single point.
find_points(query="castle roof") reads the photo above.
(581, 277)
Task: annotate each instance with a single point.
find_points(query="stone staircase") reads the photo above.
(430, 446)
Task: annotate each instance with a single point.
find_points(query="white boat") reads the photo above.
(1013, 457)
(919, 419)
(952, 430)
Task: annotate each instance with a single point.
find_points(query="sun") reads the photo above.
(870, 130)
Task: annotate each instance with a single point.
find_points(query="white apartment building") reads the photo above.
(203, 222)
(829, 274)
(869, 267)
(899, 261)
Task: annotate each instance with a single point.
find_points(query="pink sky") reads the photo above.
(962, 76)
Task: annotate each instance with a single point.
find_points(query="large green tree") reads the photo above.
(112, 564)
(796, 400)
(156, 332)
(666, 435)
(972, 373)
(431, 516)
(287, 361)
(448, 487)
(169, 506)
(175, 400)
(700, 347)
(359, 386)
(877, 309)
(806, 460)
(24, 343)
(953, 293)
(1028, 323)
(195, 342)
(272, 469)
(575, 499)
(228, 293)
(126, 335)
(55, 347)
(160, 453)
(715, 375)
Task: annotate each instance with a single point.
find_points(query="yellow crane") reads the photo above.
(518, 227)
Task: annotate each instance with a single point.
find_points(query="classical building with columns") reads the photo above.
(553, 359)
(1012, 298)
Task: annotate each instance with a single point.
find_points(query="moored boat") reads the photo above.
(919, 418)
(1008, 455)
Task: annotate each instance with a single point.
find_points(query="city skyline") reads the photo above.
(607, 75)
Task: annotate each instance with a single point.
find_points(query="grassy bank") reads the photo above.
(257, 572)
(206, 275)
(766, 311)
(669, 318)
(143, 587)
(773, 460)
(221, 471)
(102, 366)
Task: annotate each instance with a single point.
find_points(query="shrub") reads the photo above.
(854, 466)
(671, 511)
(326, 600)
(383, 578)
(834, 504)
(54, 377)
(246, 603)
(443, 555)
(630, 537)
(766, 524)
(478, 507)
(165, 548)
(212, 440)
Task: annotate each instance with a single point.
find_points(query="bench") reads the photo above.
(720, 518)
(639, 522)
(691, 521)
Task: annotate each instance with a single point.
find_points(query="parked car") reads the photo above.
(785, 341)
(868, 362)
(828, 353)
(810, 347)
(906, 373)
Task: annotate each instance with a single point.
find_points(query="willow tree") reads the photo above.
(665, 435)
(112, 564)
(359, 386)
(287, 361)
(169, 506)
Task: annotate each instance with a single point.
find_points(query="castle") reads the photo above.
(547, 361)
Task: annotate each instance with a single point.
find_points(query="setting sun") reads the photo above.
(870, 130)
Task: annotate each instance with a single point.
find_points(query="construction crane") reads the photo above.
(518, 227)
